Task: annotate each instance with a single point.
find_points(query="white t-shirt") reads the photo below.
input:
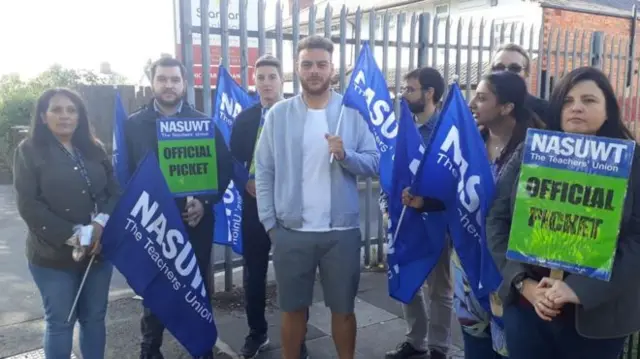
(316, 174)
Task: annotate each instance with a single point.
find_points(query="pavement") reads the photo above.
(380, 326)
(20, 300)
(380, 323)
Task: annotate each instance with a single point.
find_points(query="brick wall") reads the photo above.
(570, 30)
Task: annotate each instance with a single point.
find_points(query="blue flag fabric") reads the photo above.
(456, 170)
(146, 240)
(120, 156)
(420, 236)
(231, 99)
(369, 95)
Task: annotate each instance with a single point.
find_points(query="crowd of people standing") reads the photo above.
(303, 205)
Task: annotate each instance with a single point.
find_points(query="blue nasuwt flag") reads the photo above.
(231, 99)
(456, 170)
(146, 240)
(368, 94)
(416, 248)
(120, 157)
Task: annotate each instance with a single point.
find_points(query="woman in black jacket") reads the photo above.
(65, 185)
(577, 317)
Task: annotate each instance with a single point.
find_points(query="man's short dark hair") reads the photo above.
(167, 62)
(269, 60)
(428, 78)
(519, 49)
(315, 42)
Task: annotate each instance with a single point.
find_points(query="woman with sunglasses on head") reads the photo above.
(499, 108)
(577, 317)
(65, 185)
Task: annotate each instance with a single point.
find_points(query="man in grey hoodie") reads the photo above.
(307, 164)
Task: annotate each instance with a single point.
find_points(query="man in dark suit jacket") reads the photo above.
(140, 133)
(512, 57)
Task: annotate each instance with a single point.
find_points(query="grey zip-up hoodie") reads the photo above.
(279, 164)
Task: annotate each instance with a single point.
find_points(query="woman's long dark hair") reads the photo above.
(509, 87)
(613, 127)
(83, 138)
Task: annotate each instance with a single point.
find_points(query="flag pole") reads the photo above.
(84, 279)
(428, 146)
(395, 234)
(190, 198)
(338, 128)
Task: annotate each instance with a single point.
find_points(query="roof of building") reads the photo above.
(606, 7)
(351, 6)
(618, 4)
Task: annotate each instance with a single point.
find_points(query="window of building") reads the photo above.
(442, 10)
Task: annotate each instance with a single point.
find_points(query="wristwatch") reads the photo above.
(518, 282)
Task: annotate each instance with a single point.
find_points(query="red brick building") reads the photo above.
(570, 25)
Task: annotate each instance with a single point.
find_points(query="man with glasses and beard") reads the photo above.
(169, 85)
(512, 57)
(307, 164)
(429, 328)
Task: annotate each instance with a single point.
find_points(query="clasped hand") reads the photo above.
(194, 211)
(548, 296)
(86, 239)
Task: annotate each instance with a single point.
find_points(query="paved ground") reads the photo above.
(379, 321)
(20, 300)
(21, 324)
(380, 324)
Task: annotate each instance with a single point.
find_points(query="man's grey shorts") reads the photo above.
(297, 255)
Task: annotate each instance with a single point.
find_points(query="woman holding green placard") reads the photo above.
(498, 106)
(578, 316)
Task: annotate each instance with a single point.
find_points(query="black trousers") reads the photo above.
(256, 246)
(529, 337)
(201, 239)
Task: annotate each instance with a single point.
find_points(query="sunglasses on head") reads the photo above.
(516, 68)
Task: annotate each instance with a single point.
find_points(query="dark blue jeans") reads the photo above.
(529, 337)
(479, 348)
(58, 289)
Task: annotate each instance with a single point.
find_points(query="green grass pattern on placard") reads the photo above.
(547, 245)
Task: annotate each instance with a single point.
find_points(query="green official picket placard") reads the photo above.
(569, 202)
(187, 155)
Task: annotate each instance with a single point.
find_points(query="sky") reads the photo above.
(84, 33)
(81, 34)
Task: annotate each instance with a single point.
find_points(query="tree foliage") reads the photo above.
(18, 98)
